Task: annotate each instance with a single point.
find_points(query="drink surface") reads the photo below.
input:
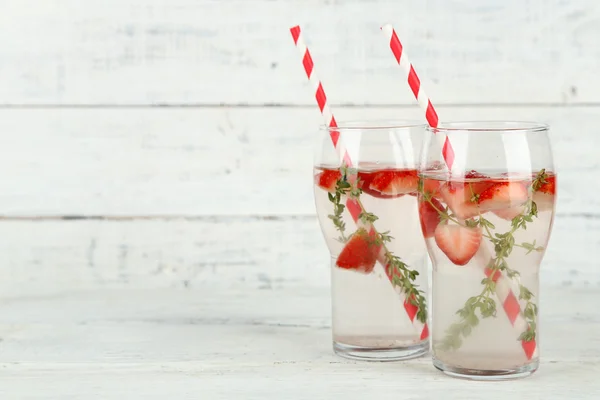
(485, 222)
(367, 311)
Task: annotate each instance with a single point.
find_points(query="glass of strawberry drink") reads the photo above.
(366, 200)
(487, 222)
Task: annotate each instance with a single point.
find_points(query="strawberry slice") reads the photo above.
(477, 187)
(360, 253)
(327, 179)
(365, 178)
(429, 216)
(550, 186)
(510, 213)
(461, 196)
(393, 183)
(544, 197)
(458, 243)
(503, 195)
(472, 174)
(458, 198)
(432, 187)
(365, 182)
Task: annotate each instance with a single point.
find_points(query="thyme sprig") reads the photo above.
(402, 276)
(484, 305)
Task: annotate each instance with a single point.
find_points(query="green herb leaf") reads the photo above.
(401, 275)
(367, 217)
(471, 223)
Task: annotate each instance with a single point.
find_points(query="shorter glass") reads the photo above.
(373, 271)
(487, 221)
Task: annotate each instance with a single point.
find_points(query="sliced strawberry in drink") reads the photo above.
(458, 243)
(365, 182)
(360, 253)
(472, 174)
(503, 195)
(462, 196)
(429, 215)
(327, 179)
(364, 179)
(510, 213)
(544, 197)
(478, 186)
(432, 187)
(393, 183)
(458, 198)
(549, 186)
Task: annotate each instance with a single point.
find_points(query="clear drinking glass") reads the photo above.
(486, 222)
(366, 200)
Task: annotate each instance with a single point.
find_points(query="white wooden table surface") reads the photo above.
(215, 344)
(158, 233)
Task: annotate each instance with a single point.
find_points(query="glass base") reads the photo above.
(487, 375)
(380, 354)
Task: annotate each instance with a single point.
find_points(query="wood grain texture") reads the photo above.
(173, 252)
(222, 161)
(240, 52)
(114, 344)
(227, 252)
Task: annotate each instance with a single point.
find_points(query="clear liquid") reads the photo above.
(366, 310)
(494, 343)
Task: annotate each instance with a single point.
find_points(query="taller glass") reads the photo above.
(487, 221)
(365, 194)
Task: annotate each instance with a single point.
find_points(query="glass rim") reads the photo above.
(373, 125)
(488, 126)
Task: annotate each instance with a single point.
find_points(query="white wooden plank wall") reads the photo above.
(159, 143)
(239, 51)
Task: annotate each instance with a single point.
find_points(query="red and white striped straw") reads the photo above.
(504, 292)
(415, 85)
(352, 205)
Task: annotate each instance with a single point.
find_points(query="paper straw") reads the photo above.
(504, 292)
(352, 205)
(415, 85)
